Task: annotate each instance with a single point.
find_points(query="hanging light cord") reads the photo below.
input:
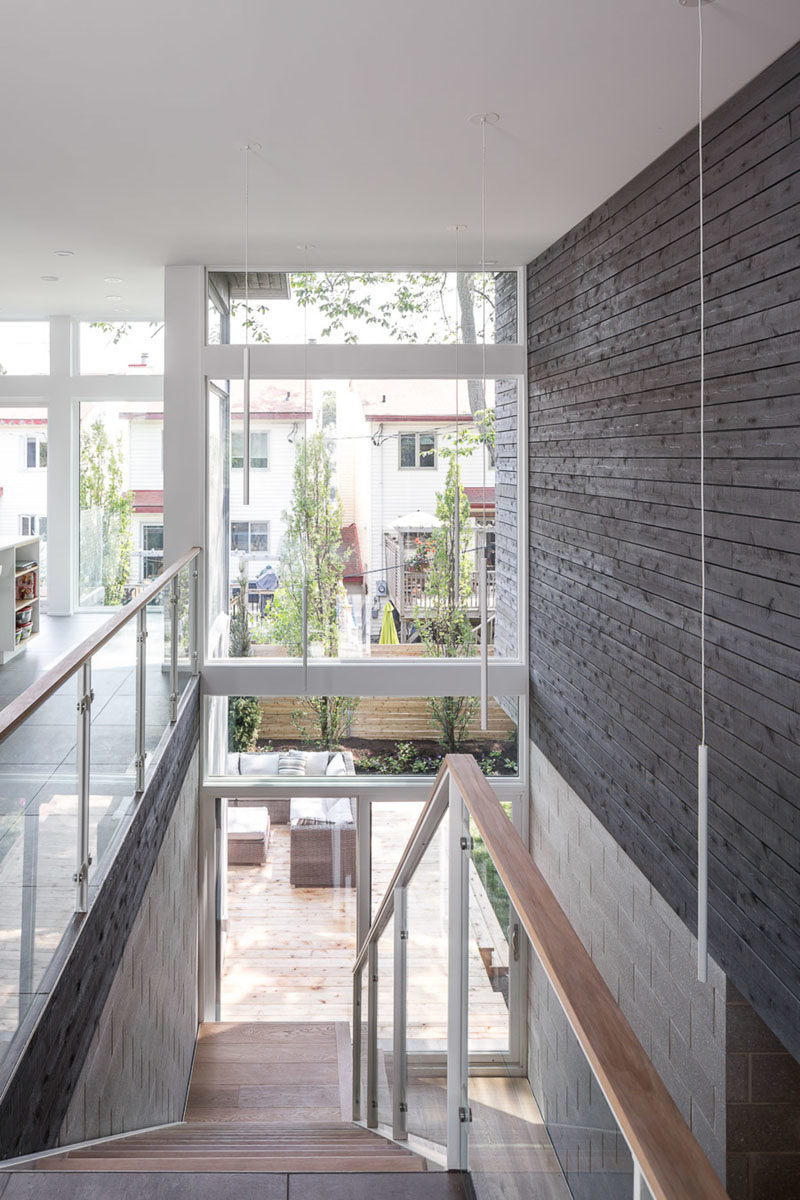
(702, 750)
(483, 309)
(246, 244)
(702, 385)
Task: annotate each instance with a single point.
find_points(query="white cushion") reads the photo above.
(336, 766)
(258, 764)
(307, 809)
(247, 820)
(316, 762)
(340, 811)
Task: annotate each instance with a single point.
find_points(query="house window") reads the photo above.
(250, 537)
(35, 452)
(30, 526)
(152, 550)
(259, 449)
(417, 450)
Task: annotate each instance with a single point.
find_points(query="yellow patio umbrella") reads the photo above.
(388, 631)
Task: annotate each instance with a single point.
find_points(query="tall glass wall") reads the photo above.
(372, 504)
(121, 499)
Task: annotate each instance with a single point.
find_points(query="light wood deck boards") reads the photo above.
(290, 950)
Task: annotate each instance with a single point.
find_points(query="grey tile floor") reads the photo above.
(39, 792)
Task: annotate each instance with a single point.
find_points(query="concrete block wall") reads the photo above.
(646, 956)
(763, 1108)
(137, 1069)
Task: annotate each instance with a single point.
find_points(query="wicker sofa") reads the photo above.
(317, 763)
(323, 842)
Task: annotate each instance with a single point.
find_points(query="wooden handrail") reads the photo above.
(671, 1160)
(13, 715)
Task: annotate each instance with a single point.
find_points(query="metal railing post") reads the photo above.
(357, 988)
(194, 623)
(84, 743)
(458, 1110)
(141, 695)
(173, 649)
(400, 1011)
(372, 1036)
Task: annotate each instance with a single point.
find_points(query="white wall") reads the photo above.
(270, 494)
(24, 489)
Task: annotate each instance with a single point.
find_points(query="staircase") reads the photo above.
(266, 1100)
(242, 1148)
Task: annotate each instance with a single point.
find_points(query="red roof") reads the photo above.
(476, 495)
(353, 569)
(148, 500)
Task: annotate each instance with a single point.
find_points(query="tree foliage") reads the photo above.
(101, 489)
(312, 554)
(444, 625)
(240, 641)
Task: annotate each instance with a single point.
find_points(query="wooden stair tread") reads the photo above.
(238, 1164)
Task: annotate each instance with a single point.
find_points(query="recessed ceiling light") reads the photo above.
(49, 278)
(64, 253)
(122, 310)
(113, 297)
(112, 279)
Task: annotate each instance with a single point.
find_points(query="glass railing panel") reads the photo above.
(587, 1141)
(386, 1024)
(426, 1006)
(184, 625)
(38, 851)
(158, 681)
(112, 778)
(491, 918)
(392, 824)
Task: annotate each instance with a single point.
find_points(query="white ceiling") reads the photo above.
(121, 122)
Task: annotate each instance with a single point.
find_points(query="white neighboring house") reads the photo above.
(144, 466)
(407, 425)
(278, 414)
(23, 478)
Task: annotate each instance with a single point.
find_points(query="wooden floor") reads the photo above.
(290, 951)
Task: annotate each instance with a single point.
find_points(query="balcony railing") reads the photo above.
(408, 589)
(71, 783)
(613, 1128)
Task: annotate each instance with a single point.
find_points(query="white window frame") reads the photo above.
(417, 465)
(254, 466)
(32, 521)
(250, 552)
(36, 440)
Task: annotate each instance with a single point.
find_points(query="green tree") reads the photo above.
(101, 491)
(240, 641)
(444, 624)
(311, 563)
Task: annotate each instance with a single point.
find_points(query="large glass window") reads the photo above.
(121, 348)
(24, 348)
(23, 481)
(375, 307)
(333, 736)
(373, 519)
(121, 499)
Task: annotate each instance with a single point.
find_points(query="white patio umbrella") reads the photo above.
(416, 520)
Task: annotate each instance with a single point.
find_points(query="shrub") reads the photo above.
(244, 719)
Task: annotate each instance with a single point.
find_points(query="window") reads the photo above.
(417, 450)
(30, 526)
(152, 550)
(250, 537)
(259, 449)
(35, 452)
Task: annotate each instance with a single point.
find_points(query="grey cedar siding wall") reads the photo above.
(614, 545)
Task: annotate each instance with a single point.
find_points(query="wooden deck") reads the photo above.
(290, 951)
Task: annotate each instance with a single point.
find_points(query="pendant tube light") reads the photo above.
(247, 148)
(483, 119)
(702, 749)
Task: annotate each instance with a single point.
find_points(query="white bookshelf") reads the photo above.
(19, 596)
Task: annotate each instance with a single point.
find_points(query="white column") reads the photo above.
(62, 473)
(184, 411)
